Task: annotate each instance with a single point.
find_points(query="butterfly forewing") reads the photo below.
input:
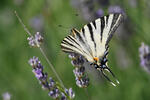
(91, 41)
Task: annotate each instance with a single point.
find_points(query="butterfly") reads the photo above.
(92, 42)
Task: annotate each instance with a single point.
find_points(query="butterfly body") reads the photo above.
(92, 40)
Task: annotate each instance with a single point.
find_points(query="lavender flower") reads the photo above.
(37, 23)
(38, 71)
(70, 93)
(55, 90)
(6, 96)
(100, 13)
(78, 61)
(144, 51)
(115, 9)
(63, 97)
(36, 40)
(82, 82)
(54, 93)
(52, 83)
(79, 72)
(34, 61)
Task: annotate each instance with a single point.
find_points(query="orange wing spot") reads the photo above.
(95, 58)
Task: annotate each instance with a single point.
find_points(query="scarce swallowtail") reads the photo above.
(92, 42)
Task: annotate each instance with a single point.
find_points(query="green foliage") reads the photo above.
(17, 78)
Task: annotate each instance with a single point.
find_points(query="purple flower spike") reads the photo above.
(144, 51)
(78, 72)
(38, 73)
(82, 82)
(63, 97)
(71, 93)
(37, 23)
(78, 61)
(35, 41)
(38, 70)
(54, 93)
(51, 83)
(115, 9)
(32, 42)
(6, 96)
(100, 13)
(38, 39)
(34, 61)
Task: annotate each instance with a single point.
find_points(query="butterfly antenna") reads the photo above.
(108, 70)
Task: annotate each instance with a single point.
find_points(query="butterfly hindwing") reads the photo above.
(92, 39)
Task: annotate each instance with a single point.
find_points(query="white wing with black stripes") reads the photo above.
(92, 40)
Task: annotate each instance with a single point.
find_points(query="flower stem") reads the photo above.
(25, 28)
(48, 61)
(52, 67)
(87, 94)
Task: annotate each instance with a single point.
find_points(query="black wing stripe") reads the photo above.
(80, 38)
(72, 45)
(83, 31)
(66, 49)
(115, 17)
(94, 24)
(71, 39)
(67, 43)
(107, 17)
(78, 35)
(91, 31)
(102, 27)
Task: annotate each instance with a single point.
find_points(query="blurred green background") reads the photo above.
(16, 75)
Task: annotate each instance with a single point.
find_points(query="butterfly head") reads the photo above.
(96, 60)
(100, 61)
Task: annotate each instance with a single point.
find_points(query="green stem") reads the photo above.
(52, 67)
(87, 94)
(50, 64)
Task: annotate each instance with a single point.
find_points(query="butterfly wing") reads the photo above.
(99, 32)
(92, 40)
(74, 44)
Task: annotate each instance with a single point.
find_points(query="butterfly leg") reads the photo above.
(108, 69)
(102, 71)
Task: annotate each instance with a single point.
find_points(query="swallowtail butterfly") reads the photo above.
(92, 42)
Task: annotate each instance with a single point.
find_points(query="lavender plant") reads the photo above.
(6, 96)
(81, 77)
(56, 90)
(115, 9)
(92, 9)
(144, 53)
(37, 23)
